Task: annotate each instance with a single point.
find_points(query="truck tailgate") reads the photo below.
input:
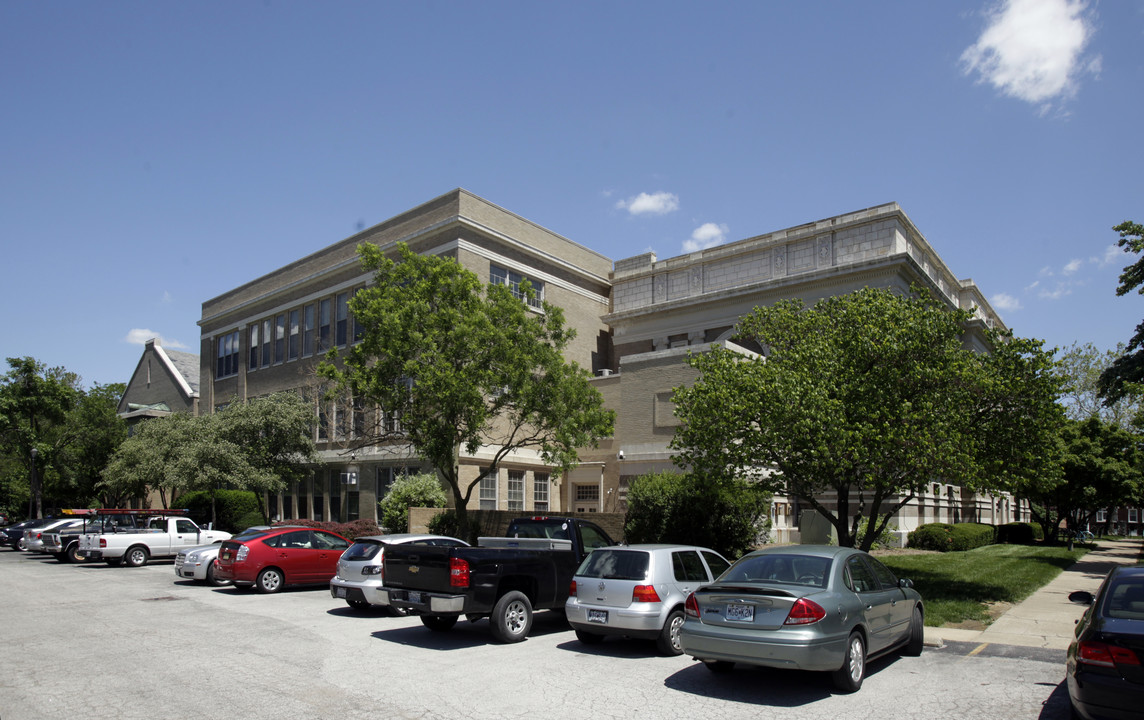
(419, 567)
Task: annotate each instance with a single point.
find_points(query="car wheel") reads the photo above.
(589, 638)
(212, 579)
(848, 678)
(269, 581)
(358, 605)
(668, 641)
(439, 623)
(917, 634)
(136, 556)
(20, 546)
(512, 617)
(72, 553)
(718, 666)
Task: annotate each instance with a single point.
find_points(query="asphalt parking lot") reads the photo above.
(95, 641)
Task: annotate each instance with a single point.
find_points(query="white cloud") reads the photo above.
(1032, 50)
(140, 336)
(1060, 291)
(1112, 253)
(705, 236)
(166, 297)
(1005, 302)
(1072, 267)
(659, 203)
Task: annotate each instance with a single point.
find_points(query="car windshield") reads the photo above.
(362, 550)
(780, 568)
(1126, 599)
(615, 565)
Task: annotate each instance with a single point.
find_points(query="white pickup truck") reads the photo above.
(161, 537)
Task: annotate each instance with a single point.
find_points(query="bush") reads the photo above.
(421, 490)
(944, 537)
(350, 530)
(231, 507)
(1020, 533)
(728, 517)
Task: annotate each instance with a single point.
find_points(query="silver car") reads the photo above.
(804, 607)
(639, 591)
(33, 539)
(198, 563)
(360, 568)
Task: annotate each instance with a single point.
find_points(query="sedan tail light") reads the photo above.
(1101, 654)
(691, 607)
(644, 593)
(572, 589)
(804, 612)
(458, 572)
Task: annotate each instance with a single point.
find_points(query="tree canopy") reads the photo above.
(260, 445)
(1127, 371)
(867, 398)
(464, 365)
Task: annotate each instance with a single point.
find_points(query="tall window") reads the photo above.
(359, 417)
(1133, 515)
(308, 330)
(279, 339)
(227, 355)
(292, 347)
(488, 492)
(335, 496)
(515, 490)
(253, 346)
(501, 276)
(540, 491)
(324, 326)
(359, 329)
(1101, 516)
(343, 316)
(319, 488)
(266, 342)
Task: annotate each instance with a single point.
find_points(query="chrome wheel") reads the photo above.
(512, 617)
(269, 580)
(668, 642)
(857, 659)
(848, 678)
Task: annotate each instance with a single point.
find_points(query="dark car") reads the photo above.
(1105, 665)
(13, 535)
(804, 607)
(279, 557)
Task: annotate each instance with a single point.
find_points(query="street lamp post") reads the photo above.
(34, 499)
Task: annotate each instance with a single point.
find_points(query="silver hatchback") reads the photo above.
(359, 573)
(639, 591)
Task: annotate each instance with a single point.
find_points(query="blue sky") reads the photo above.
(155, 155)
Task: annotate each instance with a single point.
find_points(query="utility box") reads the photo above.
(814, 529)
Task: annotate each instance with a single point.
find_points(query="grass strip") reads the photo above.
(958, 586)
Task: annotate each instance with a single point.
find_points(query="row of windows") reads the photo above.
(1133, 515)
(501, 276)
(516, 490)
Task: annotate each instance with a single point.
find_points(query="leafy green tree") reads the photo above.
(728, 517)
(96, 432)
(464, 366)
(1126, 374)
(868, 396)
(1100, 467)
(421, 490)
(256, 446)
(34, 405)
(1083, 366)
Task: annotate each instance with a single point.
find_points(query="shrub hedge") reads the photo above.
(231, 507)
(1019, 533)
(944, 537)
(351, 530)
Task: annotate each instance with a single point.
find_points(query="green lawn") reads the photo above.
(956, 586)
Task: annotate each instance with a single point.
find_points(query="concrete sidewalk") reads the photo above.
(1046, 619)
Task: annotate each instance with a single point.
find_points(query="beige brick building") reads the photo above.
(635, 319)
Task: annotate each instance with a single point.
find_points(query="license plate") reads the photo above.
(741, 613)
(413, 596)
(598, 616)
(340, 591)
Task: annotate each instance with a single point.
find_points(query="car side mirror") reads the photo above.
(905, 583)
(1083, 597)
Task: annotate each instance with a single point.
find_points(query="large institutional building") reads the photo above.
(635, 318)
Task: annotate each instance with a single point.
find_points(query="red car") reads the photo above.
(279, 557)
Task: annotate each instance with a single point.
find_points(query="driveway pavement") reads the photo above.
(1046, 619)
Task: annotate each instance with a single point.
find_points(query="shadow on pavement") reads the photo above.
(763, 686)
(1056, 707)
(466, 634)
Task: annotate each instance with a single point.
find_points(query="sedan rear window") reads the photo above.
(361, 551)
(790, 569)
(615, 565)
(1126, 600)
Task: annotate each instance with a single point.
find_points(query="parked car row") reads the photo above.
(819, 608)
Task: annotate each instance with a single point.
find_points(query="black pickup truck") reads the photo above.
(503, 579)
